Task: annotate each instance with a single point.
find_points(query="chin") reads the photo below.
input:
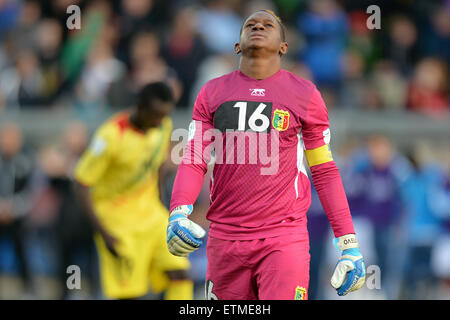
(252, 45)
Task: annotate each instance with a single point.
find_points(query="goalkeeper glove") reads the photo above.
(183, 235)
(350, 273)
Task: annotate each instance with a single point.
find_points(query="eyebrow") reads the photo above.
(264, 20)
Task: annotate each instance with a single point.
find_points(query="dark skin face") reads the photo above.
(261, 46)
(145, 118)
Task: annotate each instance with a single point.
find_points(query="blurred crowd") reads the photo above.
(43, 229)
(124, 44)
(399, 197)
(400, 204)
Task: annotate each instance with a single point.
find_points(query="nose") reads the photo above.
(258, 26)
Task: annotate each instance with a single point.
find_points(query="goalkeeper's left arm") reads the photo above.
(349, 273)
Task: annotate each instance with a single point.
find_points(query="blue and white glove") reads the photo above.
(350, 273)
(183, 235)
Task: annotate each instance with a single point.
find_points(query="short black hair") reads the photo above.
(154, 91)
(277, 18)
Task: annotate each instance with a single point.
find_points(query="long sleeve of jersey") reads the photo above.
(325, 174)
(193, 166)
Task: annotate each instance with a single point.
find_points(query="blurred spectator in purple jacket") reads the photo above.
(375, 193)
(318, 227)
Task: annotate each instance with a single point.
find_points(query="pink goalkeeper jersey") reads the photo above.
(260, 130)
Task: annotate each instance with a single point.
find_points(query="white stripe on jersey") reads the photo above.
(300, 161)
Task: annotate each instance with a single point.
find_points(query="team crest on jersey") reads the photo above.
(280, 120)
(300, 293)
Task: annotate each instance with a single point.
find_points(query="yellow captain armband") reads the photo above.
(319, 155)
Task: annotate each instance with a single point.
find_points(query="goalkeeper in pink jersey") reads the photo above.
(262, 125)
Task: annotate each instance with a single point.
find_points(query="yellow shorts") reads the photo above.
(142, 265)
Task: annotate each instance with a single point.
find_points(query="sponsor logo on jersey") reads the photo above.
(258, 92)
(300, 293)
(280, 120)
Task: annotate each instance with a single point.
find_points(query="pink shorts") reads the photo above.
(265, 269)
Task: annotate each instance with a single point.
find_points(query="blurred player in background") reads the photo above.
(117, 180)
(258, 246)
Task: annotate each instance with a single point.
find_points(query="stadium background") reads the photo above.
(387, 92)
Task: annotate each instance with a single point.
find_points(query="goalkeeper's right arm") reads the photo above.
(183, 235)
